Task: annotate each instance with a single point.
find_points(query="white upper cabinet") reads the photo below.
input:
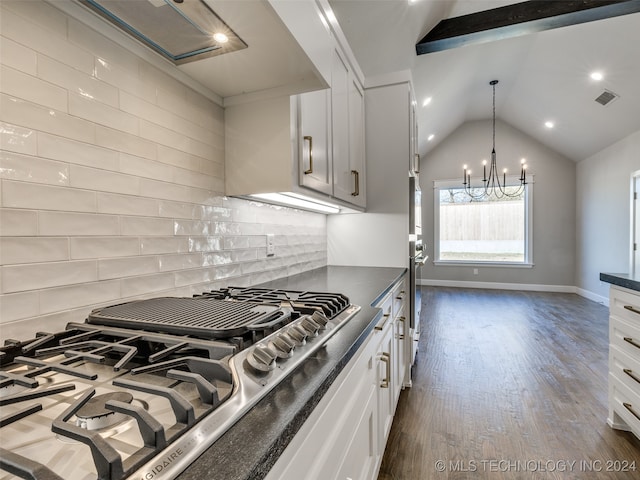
(347, 121)
(314, 139)
(309, 144)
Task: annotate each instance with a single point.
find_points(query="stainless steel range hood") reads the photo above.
(181, 30)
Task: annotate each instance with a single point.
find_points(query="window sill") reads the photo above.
(454, 263)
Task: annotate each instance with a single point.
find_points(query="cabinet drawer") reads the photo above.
(399, 295)
(625, 404)
(625, 336)
(625, 304)
(625, 369)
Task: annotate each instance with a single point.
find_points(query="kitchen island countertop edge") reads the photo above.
(625, 280)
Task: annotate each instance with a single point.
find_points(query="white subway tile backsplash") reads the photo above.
(179, 210)
(46, 197)
(14, 250)
(181, 262)
(164, 136)
(45, 33)
(192, 227)
(125, 79)
(17, 139)
(15, 166)
(125, 142)
(18, 222)
(34, 276)
(101, 47)
(74, 296)
(144, 167)
(149, 284)
(101, 247)
(18, 56)
(123, 197)
(205, 244)
(103, 180)
(77, 224)
(140, 226)
(178, 158)
(159, 245)
(71, 151)
(33, 89)
(76, 81)
(126, 267)
(38, 117)
(146, 110)
(164, 190)
(127, 204)
(96, 112)
(16, 306)
(214, 168)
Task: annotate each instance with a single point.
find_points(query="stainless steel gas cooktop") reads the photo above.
(142, 388)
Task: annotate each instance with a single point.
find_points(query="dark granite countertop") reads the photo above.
(632, 282)
(251, 447)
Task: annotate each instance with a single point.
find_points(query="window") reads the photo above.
(494, 231)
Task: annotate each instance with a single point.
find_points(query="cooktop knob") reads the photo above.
(310, 326)
(262, 358)
(283, 345)
(298, 334)
(320, 318)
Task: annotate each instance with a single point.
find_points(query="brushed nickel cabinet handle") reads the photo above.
(308, 138)
(356, 188)
(416, 167)
(631, 341)
(386, 358)
(632, 309)
(401, 319)
(629, 407)
(629, 372)
(385, 317)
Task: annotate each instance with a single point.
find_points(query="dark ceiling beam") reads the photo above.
(519, 19)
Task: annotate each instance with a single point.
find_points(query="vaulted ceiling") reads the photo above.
(543, 76)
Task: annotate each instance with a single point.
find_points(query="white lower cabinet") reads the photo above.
(624, 360)
(346, 434)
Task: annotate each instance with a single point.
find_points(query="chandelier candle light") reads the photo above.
(491, 183)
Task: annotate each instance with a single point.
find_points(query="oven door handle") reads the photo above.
(421, 260)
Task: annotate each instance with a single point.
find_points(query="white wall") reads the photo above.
(553, 203)
(112, 175)
(603, 213)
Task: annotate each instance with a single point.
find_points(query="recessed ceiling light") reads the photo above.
(220, 37)
(549, 124)
(426, 101)
(430, 137)
(597, 76)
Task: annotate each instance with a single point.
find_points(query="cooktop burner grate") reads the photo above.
(331, 304)
(204, 318)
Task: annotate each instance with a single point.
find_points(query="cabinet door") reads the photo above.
(314, 141)
(361, 458)
(356, 143)
(399, 360)
(386, 397)
(342, 184)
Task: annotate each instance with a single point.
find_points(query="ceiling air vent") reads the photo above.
(181, 30)
(606, 97)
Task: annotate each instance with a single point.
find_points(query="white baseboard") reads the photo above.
(530, 287)
(593, 296)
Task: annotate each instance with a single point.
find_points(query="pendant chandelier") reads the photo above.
(491, 185)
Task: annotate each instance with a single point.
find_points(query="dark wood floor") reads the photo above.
(508, 385)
